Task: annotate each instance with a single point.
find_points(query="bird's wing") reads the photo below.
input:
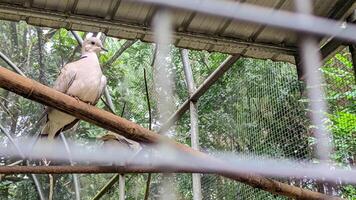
(101, 89)
(62, 83)
(65, 78)
(100, 92)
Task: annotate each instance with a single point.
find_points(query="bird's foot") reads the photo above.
(75, 97)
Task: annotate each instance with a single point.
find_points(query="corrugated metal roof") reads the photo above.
(131, 20)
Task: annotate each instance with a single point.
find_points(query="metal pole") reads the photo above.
(311, 60)
(352, 49)
(194, 130)
(122, 187)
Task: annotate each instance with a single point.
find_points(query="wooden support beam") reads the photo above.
(330, 49)
(200, 91)
(107, 186)
(131, 31)
(333, 46)
(340, 9)
(33, 90)
(194, 129)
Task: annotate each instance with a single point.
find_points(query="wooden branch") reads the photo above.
(42, 76)
(118, 53)
(75, 177)
(106, 188)
(46, 37)
(11, 64)
(35, 91)
(213, 77)
(51, 187)
(148, 182)
(122, 178)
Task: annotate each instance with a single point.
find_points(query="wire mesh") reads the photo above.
(263, 112)
(263, 91)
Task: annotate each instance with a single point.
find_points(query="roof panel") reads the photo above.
(131, 20)
(133, 12)
(97, 8)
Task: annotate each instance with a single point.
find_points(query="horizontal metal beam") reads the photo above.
(120, 29)
(330, 49)
(317, 26)
(200, 91)
(341, 8)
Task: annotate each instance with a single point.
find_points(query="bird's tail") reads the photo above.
(49, 131)
(45, 130)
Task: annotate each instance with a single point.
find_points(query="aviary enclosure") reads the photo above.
(205, 99)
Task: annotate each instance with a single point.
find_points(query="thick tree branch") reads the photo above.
(106, 187)
(118, 53)
(42, 75)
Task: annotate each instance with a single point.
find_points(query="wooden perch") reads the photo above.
(40, 93)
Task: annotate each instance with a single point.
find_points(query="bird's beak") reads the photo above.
(102, 48)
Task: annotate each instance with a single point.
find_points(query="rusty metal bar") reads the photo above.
(298, 193)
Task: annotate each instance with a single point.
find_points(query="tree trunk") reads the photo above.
(42, 75)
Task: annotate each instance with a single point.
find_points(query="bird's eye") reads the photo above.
(92, 43)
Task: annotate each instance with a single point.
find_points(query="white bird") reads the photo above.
(82, 79)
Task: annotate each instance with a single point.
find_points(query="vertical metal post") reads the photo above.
(311, 60)
(122, 187)
(352, 49)
(194, 131)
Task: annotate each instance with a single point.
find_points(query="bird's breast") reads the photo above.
(86, 87)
